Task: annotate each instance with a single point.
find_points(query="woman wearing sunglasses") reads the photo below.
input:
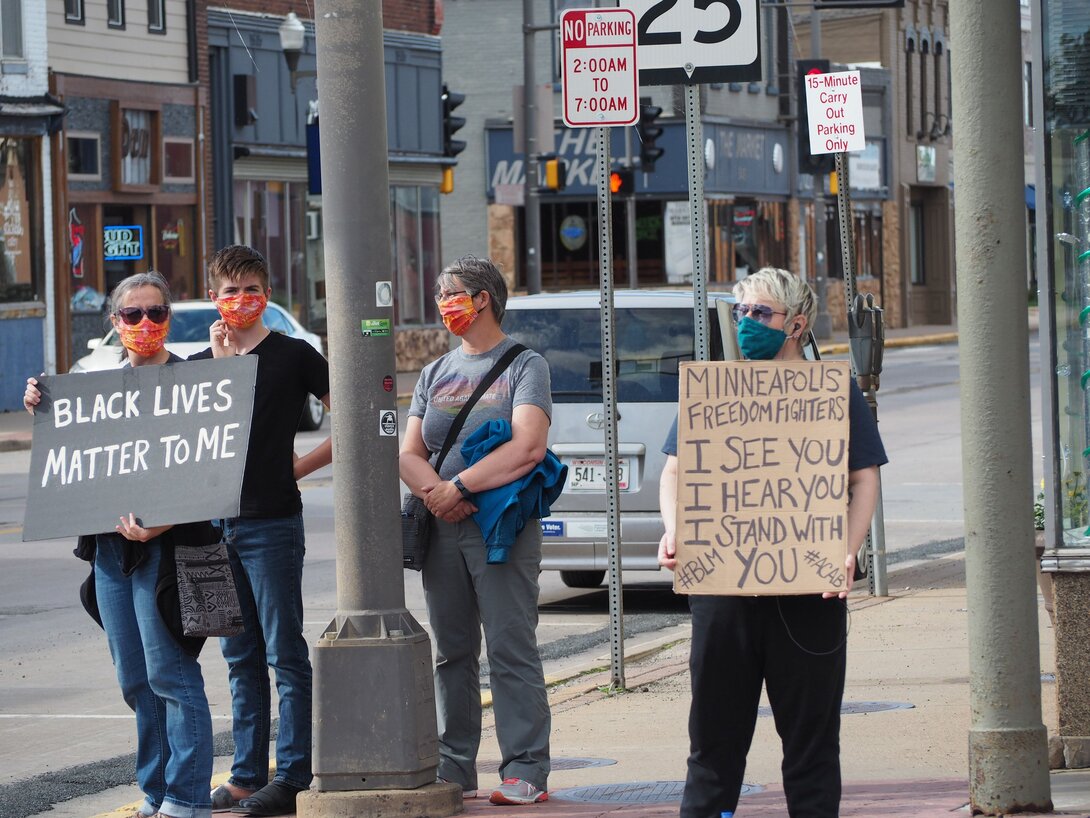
(796, 646)
(156, 666)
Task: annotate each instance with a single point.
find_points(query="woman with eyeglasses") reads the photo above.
(132, 567)
(796, 646)
(464, 592)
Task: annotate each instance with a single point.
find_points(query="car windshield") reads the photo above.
(650, 344)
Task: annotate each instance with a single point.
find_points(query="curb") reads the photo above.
(891, 343)
(14, 444)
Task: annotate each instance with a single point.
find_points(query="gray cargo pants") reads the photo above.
(463, 593)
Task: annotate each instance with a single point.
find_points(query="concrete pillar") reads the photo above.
(1008, 757)
(374, 701)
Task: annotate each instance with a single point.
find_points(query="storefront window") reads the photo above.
(867, 233)
(269, 217)
(21, 223)
(1066, 213)
(175, 249)
(414, 238)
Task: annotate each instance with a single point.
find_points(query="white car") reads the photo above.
(189, 323)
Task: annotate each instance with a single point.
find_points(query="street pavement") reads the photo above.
(904, 732)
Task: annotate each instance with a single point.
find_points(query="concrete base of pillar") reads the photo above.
(1071, 590)
(1008, 771)
(430, 801)
(1069, 752)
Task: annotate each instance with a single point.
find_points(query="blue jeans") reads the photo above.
(160, 682)
(267, 559)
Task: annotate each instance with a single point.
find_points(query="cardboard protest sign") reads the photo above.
(167, 443)
(762, 494)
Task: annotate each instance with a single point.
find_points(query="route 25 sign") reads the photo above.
(686, 42)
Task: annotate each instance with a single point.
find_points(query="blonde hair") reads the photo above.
(783, 287)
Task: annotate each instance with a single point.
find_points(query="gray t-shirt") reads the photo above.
(446, 384)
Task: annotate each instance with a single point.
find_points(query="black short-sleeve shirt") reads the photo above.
(288, 369)
(865, 447)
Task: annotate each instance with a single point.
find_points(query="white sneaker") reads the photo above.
(517, 791)
(466, 794)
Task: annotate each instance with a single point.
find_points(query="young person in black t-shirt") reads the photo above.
(795, 645)
(265, 542)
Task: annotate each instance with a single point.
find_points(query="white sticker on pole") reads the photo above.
(834, 105)
(598, 52)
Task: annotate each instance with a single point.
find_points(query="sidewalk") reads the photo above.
(903, 735)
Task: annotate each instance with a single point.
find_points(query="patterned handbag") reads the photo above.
(206, 591)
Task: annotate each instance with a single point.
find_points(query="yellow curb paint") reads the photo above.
(129, 810)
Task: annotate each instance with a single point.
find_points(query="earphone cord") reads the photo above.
(829, 652)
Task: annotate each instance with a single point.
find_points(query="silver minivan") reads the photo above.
(653, 333)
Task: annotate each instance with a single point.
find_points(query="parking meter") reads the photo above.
(866, 339)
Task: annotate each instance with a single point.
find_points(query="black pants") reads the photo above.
(738, 642)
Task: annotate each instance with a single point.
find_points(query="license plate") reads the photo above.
(589, 473)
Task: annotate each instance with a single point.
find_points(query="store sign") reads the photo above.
(135, 148)
(123, 243)
(76, 234)
(925, 163)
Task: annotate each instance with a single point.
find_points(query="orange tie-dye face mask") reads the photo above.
(458, 313)
(146, 338)
(241, 311)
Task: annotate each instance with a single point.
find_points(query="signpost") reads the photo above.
(599, 48)
(834, 103)
(684, 44)
(166, 443)
(598, 52)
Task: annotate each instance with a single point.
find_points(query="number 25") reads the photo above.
(674, 37)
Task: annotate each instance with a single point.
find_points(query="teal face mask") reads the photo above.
(759, 342)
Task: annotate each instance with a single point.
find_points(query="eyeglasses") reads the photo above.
(158, 313)
(759, 311)
(440, 297)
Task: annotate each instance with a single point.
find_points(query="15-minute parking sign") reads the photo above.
(599, 58)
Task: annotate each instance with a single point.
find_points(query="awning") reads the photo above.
(1031, 197)
(30, 116)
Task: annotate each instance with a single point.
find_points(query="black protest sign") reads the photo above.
(167, 443)
(762, 490)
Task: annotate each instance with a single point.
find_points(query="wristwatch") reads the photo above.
(458, 484)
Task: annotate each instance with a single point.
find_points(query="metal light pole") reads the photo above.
(374, 701)
(823, 322)
(1008, 755)
(532, 199)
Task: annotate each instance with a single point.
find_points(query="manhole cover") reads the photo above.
(560, 763)
(636, 792)
(855, 708)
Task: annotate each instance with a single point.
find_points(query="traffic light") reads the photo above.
(621, 181)
(823, 163)
(648, 132)
(556, 173)
(451, 123)
(446, 184)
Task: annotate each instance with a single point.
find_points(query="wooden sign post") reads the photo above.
(762, 494)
